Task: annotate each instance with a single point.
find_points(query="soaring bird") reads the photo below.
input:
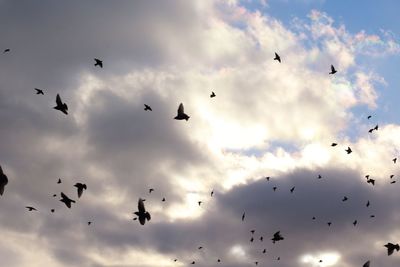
(348, 150)
(181, 113)
(39, 91)
(376, 127)
(3, 181)
(6, 50)
(391, 247)
(142, 213)
(212, 95)
(277, 236)
(333, 71)
(333, 144)
(59, 181)
(98, 63)
(344, 199)
(366, 264)
(371, 181)
(80, 188)
(67, 201)
(89, 223)
(292, 189)
(244, 214)
(147, 107)
(30, 208)
(267, 178)
(329, 223)
(61, 106)
(277, 57)
(394, 160)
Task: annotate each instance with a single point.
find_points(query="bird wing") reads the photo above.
(366, 264)
(148, 217)
(80, 191)
(58, 100)
(141, 206)
(332, 68)
(180, 109)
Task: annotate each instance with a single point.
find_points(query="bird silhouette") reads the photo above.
(394, 160)
(319, 176)
(333, 71)
(142, 213)
(200, 247)
(3, 181)
(313, 218)
(391, 247)
(333, 144)
(163, 199)
(212, 95)
(251, 239)
(329, 224)
(393, 182)
(61, 106)
(193, 262)
(391, 176)
(59, 181)
(274, 188)
(147, 107)
(366, 264)
(98, 63)
(344, 198)
(355, 223)
(52, 210)
(6, 50)
(371, 130)
(89, 223)
(151, 190)
(199, 202)
(267, 178)
(376, 127)
(252, 232)
(67, 201)
(264, 251)
(348, 150)
(277, 237)
(261, 238)
(371, 181)
(369, 117)
(368, 204)
(292, 189)
(244, 214)
(80, 187)
(277, 57)
(212, 193)
(181, 113)
(219, 260)
(30, 208)
(54, 195)
(39, 91)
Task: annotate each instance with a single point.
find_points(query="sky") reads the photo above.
(268, 119)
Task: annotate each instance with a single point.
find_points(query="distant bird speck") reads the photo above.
(39, 91)
(3, 181)
(277, 57)
(147, 107)
(181, 113)
(30, 208)
(348, 150)
(98, 63)
(333, 70)
(6, 50)
(212, 95)
(333, 144)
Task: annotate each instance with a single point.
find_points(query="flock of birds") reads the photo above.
(142, 215)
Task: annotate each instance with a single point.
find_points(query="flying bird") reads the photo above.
(391, 176)
(199, 202)
(261, 238)
(67, 201)
(244, 214)
(355, 223)
(394, 160)
(212, 193)
(376, 128)
(61, 106)
(277, 236)
(329, 223)
(274, 188)
(59, 181)
(348, 150)
(368, 204)
(212, 95)
(181, 113)
(151, 190)
(147, 107)
(252, 232)
(98, 63)
(366, 264)
(251, 239)
(142, 213)
(3, 181)
(89, 223)
(39, 91)
(391, 247)
(31, 208)
(292, 189)
(333, 144)
(264, 251)
(80, 187)
(333, 71)
(319, 176)
(344, 198)
(371, 181)
(369, 117)
(267, 178)
(163, 199)
(6, 50)
(277, 57)
(52, 210)
(54, 195)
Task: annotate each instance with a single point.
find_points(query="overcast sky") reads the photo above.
(268, 119)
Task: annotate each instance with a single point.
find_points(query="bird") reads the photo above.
(244, 214)
(89, 223)
(219, 260)
(193, 262)
(372, 216)
(319, 176)
(54, 195)
(142, 213)
(199, 202)
(59, 181)
(80, 187)
(3, 181)
(252, 232)
(31, 208)
(376, 128)
(251, 239)
(175, 260)
(393, 182)
(368, 204)
(212, 193)
(391, 247)
(274, 188)
(333, 71)
(61, 106)
(344, 198)
(371, 130)
(98, 63)
(67, 201)
(369, 117)
(6, 50)
(256, 262)
(163, 199)
(391, 176)
(292, 189)
(200, 247)
(394, 160)
(151, 190)
(366, 264)
(52, 210)
(267, 178)
(212, 95)
(39, 91)
(371, 181)
(147, 107)
(313, 218)
(348, 150)
(355, 223)
(264, 251)
(261, 238)
(277, 236)
(181, 113)
(333, 144)
(329, 223)
(277, 57)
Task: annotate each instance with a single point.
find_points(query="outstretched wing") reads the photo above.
(366, 264)
(58, 100)
(180, 109)
(80, 190)
(332, 68)
(148, 217)
(141, 206)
